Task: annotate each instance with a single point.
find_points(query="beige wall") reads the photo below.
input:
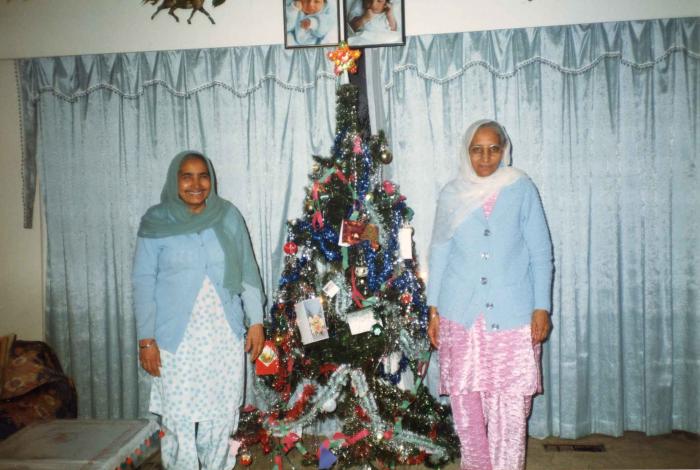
(31, 28)
(21, 273)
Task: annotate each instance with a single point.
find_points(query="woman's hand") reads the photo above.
(254, 341)
(433, 326)
(149, 356)
(539, 326)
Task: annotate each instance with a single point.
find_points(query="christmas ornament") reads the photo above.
(290, 248)
(267, 362)
(388, 187)
(329, 406)
(361, 271)
(344, 59)
(385, 156)
(245, 458)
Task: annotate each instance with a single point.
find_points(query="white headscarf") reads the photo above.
(466, 193)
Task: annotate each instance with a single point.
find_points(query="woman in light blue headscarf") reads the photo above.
(196, 285)
(489, 293)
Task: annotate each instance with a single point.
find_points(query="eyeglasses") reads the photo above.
(479, 151)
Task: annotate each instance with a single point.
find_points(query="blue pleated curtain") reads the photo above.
(106, 128)
(605, 120)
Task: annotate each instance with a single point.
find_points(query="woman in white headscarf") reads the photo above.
(489, 293)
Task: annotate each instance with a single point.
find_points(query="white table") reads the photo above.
(77, 444)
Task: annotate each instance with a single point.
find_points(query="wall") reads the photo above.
(21, 274)
(34, 28)
(48, 27)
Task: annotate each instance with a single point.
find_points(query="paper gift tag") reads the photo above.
(362, 321)
(406, 242)
(268, 361)
(311, 321)
(331, 289)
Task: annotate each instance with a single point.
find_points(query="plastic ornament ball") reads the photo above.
(329, 406)
(246, 459)
(290, 248)
(405, 298)
(385, 156)
(388, 187)
(279, 339)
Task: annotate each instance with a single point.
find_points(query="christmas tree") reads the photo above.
(347, 333)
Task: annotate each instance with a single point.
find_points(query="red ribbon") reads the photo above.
(350, 440)
(289, 440)
(357, 297)
(327, 368)
(317, 220)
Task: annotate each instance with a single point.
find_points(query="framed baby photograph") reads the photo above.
(374, 23)
(311, 23)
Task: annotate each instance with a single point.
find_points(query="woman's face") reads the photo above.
(377, 6)
(194, 183)
(485, 151)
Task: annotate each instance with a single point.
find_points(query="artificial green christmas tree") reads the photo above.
(348, 329)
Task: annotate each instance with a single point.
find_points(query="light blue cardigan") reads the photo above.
(500, 267)
(168, 274)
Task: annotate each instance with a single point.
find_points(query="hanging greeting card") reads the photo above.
(406, 242)
(350, 232)
(371, 233)
(311, 320)
(268, 361)
(362, 321)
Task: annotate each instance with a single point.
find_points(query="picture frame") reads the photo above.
(311, 23)
(366, 27)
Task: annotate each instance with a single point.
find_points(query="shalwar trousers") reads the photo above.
(492, 430)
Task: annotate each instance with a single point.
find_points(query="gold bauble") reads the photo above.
(385, 156)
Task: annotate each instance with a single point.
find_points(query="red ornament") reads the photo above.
(290, 248)
(246, 459)
(406, 298)
(389, 187)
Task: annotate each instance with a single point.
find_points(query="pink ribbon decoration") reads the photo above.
(317, 219)
(357, 145)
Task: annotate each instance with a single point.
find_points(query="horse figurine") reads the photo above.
(194, 5)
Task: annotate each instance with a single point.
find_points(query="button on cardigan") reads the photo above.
(500, 266)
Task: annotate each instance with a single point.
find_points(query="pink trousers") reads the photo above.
(491, 377)
(492, 430)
